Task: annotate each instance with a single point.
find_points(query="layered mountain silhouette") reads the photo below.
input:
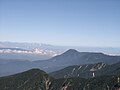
(69, 58)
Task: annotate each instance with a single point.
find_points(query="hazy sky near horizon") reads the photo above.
(61, 22)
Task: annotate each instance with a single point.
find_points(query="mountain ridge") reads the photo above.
(68, 58)
(36, 79)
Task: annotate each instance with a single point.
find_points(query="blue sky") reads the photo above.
(61, 22)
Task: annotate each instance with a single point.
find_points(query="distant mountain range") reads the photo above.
(40, 51)
(69, 58)
(29, 51)
(23, 51)
(59, 49)
(31, 46)
(24, 45)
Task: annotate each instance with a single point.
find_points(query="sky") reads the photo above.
(94, 23)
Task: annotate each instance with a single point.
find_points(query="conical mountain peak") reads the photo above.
(71, 51)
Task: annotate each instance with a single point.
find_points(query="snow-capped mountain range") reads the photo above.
(33, 51)
(28, 51)
(40, 51)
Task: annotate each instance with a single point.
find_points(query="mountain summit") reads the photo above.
(71, 52)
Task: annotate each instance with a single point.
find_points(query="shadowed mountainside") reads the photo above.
(88, 70)
(36, 79)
